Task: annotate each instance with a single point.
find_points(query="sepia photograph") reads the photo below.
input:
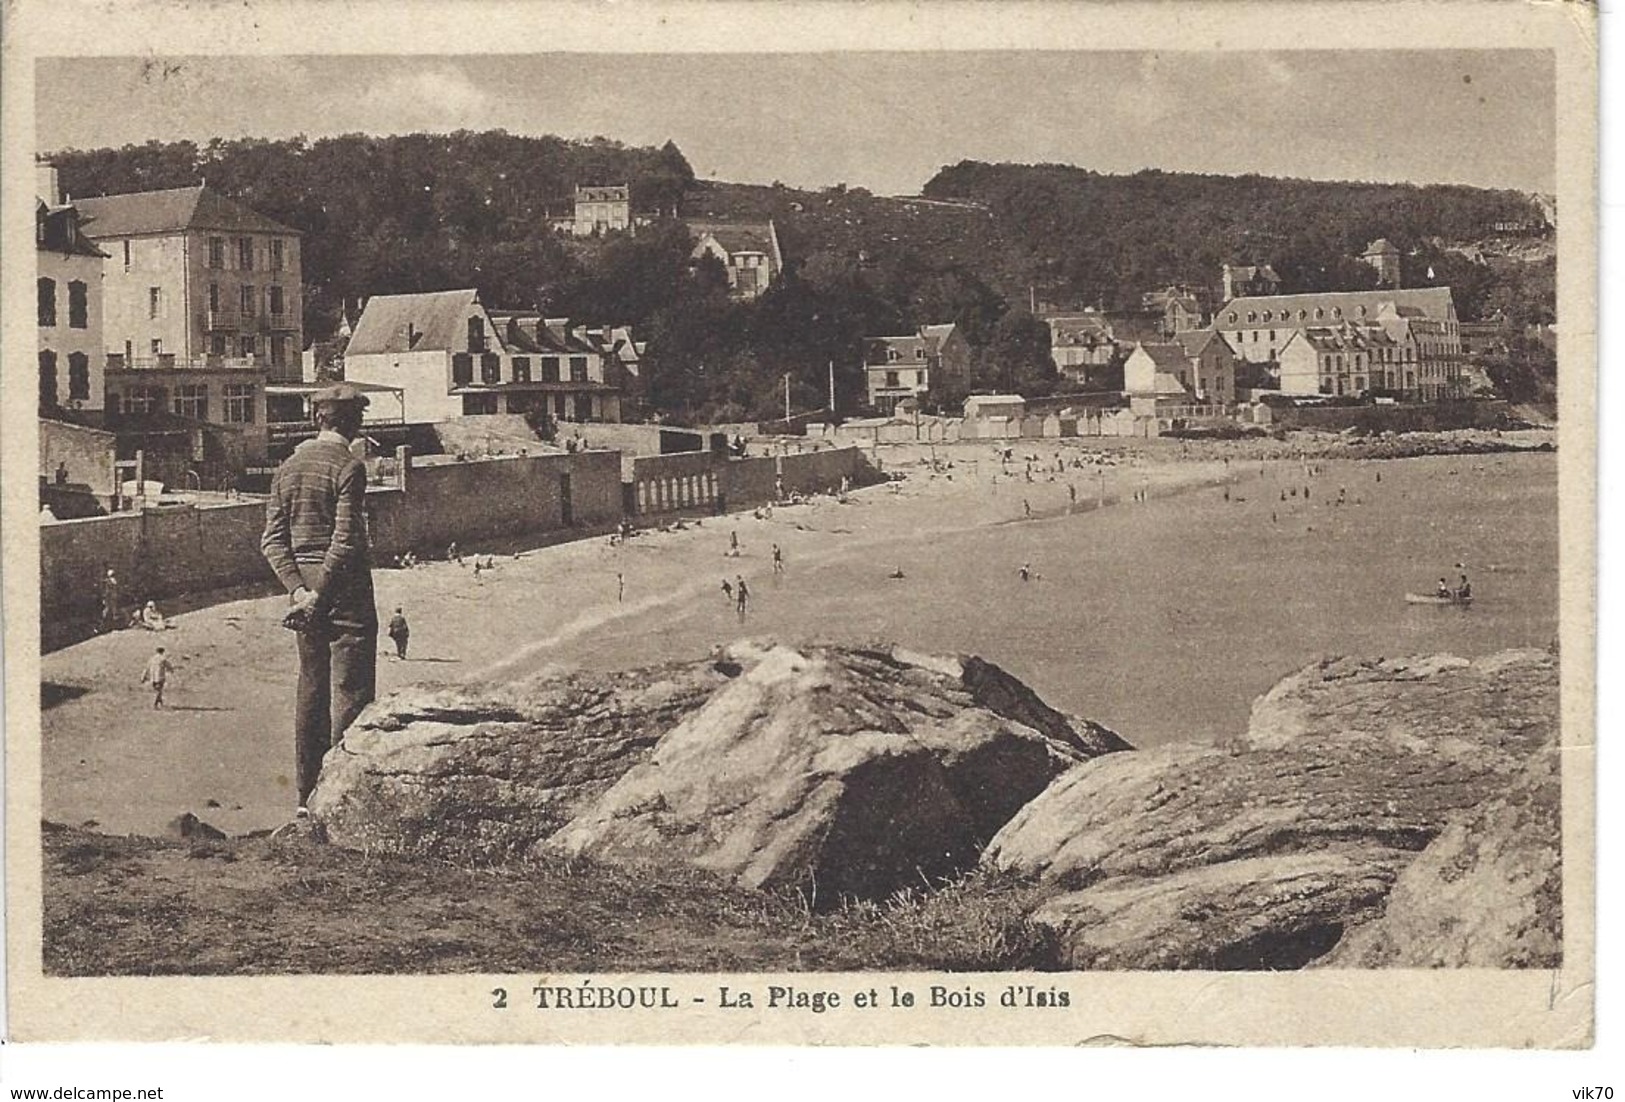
(709, 532)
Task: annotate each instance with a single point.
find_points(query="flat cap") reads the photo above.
(338, 394)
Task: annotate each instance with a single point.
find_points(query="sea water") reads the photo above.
(1165, 619)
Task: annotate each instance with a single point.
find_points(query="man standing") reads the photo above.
(400, 633)
(156, 673)
(316, 542)
(110, 602)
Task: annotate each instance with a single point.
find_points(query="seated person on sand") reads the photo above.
(1444, 590)
(152, 619)
(1464, 591)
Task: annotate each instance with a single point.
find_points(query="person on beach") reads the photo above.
(1026, 571)
(1026, 508)
(733, 544)
(620, 587)
(727, 591)
(315, 541)
(1443, 590)
(1465, 590)
(741, 596)
(152, 619)
(478, 566)
(1071, 494)
(156, 674)
(110, 601)
(778, 560)
(400, 633)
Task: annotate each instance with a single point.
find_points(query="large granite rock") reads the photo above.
(857, 769)
(1264, 852)
(1486, 893)
(484, 772)
(841, 772)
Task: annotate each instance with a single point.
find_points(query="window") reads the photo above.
(217, 344)
(891, 379)
(245, 253)
(214, 298)
(276, 254)
(126, 256)
(558, 407)
(277, 305)
(47, 378)
(239, 403)
(550, 369)
(1232, 315)
(521, 369)
(462, 368)
(78, 377)
(155, 302)
(490, 368)
(1255, 336)
(919, 353)
(142, 400)
(479, 403)
(246, 299)
(1252, 315)
(192, 400)
(1337, 311)
(245, 346)
(891, 355)
(1302, 313)
(47, 301)
(583, 407)
(1268, 315)
(157, 346)
(578, 369)
(279, 351)
(476, 334)
(217, 252)
(1272, 336)
(1320, 312)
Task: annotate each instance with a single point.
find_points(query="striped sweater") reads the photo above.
(315, 521)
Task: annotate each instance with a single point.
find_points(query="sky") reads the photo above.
(883, 121)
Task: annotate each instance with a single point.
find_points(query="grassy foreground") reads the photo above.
(146, 906)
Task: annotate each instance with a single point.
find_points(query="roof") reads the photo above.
(57, 229)
(436, 319)
(1193, 341)
(1432, 302)
(737, 237)
(186, 208)
(938, 333)
(994, 400)
(1167, 357)
(603, 193)
(1254, 271)
(905, 346)
(1343, 338)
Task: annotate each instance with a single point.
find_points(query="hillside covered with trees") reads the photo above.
(425, 212)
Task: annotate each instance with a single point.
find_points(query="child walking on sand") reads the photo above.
(156, 673)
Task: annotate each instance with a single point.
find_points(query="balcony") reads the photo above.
(215, 320)
(170, 362)
(282, 321)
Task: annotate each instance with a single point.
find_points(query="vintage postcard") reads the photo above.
(1029, 524)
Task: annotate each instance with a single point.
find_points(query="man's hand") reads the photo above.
(299, 613)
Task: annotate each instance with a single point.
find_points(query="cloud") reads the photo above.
(437, 96)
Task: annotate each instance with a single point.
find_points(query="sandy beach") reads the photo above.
(222, 746)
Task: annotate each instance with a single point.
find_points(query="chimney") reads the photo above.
(1229, 284)
(46, 184)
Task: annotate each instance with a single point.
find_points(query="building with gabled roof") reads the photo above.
(69, 290)
(928, 363)
(1258, 327)
(1249, 279)
(748, 250)
(1158, 370)
(602, 208)
(1384, 258)
(196, 280)
(451, 357)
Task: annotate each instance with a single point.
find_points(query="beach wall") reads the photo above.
(1427, 417)
(494, 499)
(822, 471)
(674, 483)
(157, 555)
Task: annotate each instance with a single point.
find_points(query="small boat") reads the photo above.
(1435, 599)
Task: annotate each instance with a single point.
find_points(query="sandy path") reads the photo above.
(223, 747)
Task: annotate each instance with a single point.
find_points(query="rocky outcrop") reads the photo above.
(484, 772)
(841, 772)
(1486, 893)
(844, 771)
(1265, 852)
